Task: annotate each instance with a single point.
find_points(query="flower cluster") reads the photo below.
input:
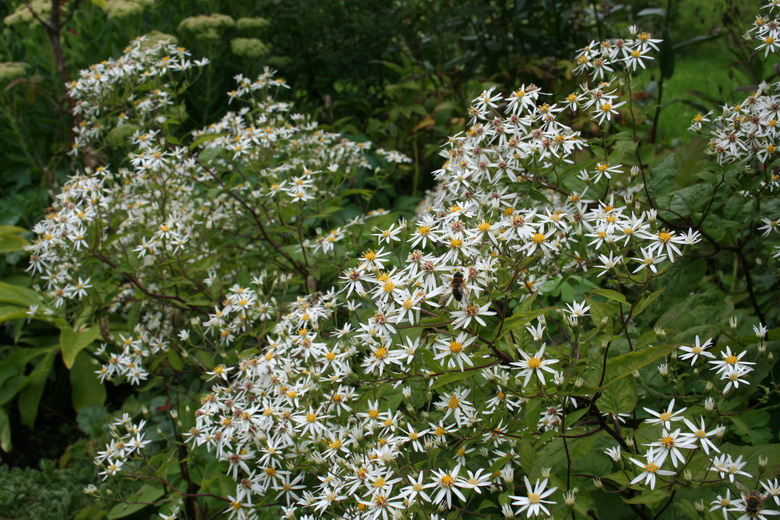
(127, 440)
(766, 30)
(433, 376)
(301, 422)
(161, 209)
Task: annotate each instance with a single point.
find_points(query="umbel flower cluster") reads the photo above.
(488, 356)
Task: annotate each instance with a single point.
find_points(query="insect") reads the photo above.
(457, 285)
(753, 500)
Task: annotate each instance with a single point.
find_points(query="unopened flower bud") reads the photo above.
(636, 374)
(578, 382)
(630, 442)
(709, 404)
(699, 505)
(763, 460)
(687, 475)
(598, 483)
(762, 348)
(407, 392)
(508, 474)
(506, 510)
(546, 472)
(663, 369)
(709, 387)
(733, 322)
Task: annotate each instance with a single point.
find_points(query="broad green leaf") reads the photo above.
(175, 360)
(72, 342)
(601, 313)
(625, 365)
(18, 295)
(611, 295)
(619, 397)
(452, 377)
(647, 300)
(5, 431)
(662, 176)
(100, 3)
(575, 416)
(86, 388)
(11, 230)
(12, 243)
(522, 318)
(139, 500)
(30, 395)
(11, 312)
(204, 139)
(648, 498)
